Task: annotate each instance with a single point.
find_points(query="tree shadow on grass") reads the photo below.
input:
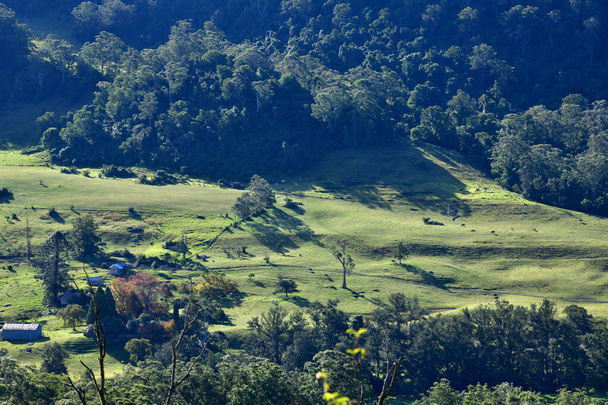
(297, 209)
(299, 301)
(398, 174)
(118, 352)
(278, 231)
(361, 294)
(376, 301)
(350, 190)
(427, 276)
(26, 343)
(80, 346)
(232, 301)
(6, 199)
(56, 217)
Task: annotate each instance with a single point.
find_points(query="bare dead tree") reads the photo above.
(28, 239)
(189, 320)
(389, 381)
(101, 345)
(261, 6)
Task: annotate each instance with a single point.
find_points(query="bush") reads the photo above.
(69, 170)
(117, 171)
(428, 221)
(162, 177)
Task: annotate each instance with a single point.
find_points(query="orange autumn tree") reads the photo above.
(139, 294)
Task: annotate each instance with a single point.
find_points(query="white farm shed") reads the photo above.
(21, 331)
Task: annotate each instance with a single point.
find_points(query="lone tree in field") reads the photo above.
(257, 198)
(286, 286)
(84, 236)
(400, 252)
(55, 278)
(71, 315)
(347, 262)
(182, 246)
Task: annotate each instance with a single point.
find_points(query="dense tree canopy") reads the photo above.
(228, 90)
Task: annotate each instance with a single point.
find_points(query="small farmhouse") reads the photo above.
(95, 281)
(118, 269)
(69, 298)
(21, 331)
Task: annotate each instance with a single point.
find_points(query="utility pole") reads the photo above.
(28, 239)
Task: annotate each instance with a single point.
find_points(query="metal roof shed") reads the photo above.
(21, 331)
(95, 281)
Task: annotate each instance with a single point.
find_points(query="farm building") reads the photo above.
(95, 281)
(118, 269)
(69, 298)
(21, 331)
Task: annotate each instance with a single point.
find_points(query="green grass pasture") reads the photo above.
(491, 240)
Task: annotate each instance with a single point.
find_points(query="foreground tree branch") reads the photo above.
(101, 344)
(389, 381)
(175, 382)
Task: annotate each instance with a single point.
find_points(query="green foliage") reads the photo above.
(54, 275)
(84, 236)
(441, 393)
(104, 53)
(138, 349)
(400, 252)
(213, 286)
(17, 385)
(246, 380)
(117, 171)
(286, 286)
(72, 315)
(271, 332)
(257, 198)
(54, 356)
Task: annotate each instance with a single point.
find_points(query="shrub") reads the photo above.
(117, 171)
(69, 170)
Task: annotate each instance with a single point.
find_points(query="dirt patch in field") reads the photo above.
(113, 216)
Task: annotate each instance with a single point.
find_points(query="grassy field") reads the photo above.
(492, 241)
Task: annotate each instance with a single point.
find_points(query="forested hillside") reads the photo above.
(196, 86)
